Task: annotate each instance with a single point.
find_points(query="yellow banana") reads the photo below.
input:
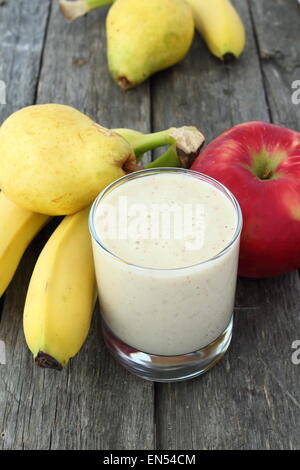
(17, 228)
(220, 26)
(61, 294)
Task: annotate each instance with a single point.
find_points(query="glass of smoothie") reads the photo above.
(166, 246)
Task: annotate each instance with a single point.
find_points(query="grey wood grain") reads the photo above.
(22, 31)
(250, 400)
(75, 72)
(21, 46)
(277, 25)
(93, 403)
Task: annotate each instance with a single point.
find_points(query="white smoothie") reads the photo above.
(163, 288)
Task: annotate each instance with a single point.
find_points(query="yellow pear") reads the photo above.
(146, 36)
(55, 159)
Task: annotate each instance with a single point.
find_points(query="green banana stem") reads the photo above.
(73, 10)
(186, 140)
(145, 142)
(98, 3)
(142, 143)
(170, 158)
(133, 138)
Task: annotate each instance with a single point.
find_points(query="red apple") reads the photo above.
(260, 163)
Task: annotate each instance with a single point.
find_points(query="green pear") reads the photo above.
(145, 36)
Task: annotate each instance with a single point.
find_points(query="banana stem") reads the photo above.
(142, 143)
(98, 3)
(133, 138)
(146, 142)
(187, 141)
(169, 158)
(73, 10)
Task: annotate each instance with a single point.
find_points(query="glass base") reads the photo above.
(168, 368)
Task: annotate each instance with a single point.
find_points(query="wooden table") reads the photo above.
(251, 399)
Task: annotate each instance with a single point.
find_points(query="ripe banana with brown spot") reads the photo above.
(61, 294)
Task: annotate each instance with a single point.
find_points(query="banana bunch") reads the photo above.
(217, 21)
(61, 294)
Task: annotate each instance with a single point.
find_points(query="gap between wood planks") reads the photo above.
(42, 53)
(269, 111)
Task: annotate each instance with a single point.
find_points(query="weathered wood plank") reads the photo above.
(251, 398)
(21, 45)
(277, 25)
(75, 73)
(93, 403)
(22, 32)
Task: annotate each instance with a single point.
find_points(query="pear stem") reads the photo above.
(146, 142)
(130, 167)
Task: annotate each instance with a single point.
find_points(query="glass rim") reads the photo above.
(149, 171)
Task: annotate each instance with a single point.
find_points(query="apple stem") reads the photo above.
(266, 175)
